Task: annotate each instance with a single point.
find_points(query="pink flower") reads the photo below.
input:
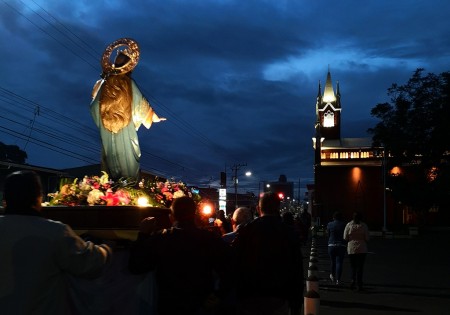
(124, 197)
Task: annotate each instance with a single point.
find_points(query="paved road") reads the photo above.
(402, 276)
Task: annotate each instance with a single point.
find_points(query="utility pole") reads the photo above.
(317, 203)
(235, 168)
(383, 169)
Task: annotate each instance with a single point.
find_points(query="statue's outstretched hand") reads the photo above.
(155, 118)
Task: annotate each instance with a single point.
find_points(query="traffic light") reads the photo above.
(281, 196)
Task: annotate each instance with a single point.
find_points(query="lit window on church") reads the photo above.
(328, 119)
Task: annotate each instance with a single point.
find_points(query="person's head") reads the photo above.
(221, 215)
(241, 215)
(356, 217)
(22, 190)
(337, 216)
(269, 204)
(183, 209)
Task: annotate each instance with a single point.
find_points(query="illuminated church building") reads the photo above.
(348, 171)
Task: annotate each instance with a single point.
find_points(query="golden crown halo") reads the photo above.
(126, 52)
(132, 52)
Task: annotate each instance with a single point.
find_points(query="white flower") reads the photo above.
(104, 179)
(84, 185)
(94, 196)
(178, 194)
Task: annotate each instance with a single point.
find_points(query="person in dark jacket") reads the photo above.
(37, 254)
(192, 265)
(337, 246)
(269, 269)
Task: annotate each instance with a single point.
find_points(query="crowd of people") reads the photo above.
(247, 265)
(254, 266)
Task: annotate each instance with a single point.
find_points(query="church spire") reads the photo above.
(328, 110)
(328, 93)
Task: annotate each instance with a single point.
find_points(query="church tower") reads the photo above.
(328, 111)
(348, 172)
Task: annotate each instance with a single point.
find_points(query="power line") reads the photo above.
(62, 136)
(74, 39)
(50, 35)
(80, 40)
(47, 145)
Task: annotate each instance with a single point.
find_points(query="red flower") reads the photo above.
(118, 198)
(168, 195)
(111, 198)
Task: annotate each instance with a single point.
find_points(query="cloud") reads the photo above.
(340, 58)
(237, 80)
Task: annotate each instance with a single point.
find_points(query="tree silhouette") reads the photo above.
(414, 128)
(12, 153)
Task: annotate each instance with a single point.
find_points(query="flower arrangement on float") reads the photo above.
(101, 190)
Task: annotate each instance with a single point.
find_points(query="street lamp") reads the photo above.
(264, 184)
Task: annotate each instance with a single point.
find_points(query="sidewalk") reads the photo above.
(402, 276)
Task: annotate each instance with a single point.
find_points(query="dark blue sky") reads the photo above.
(237, 80)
